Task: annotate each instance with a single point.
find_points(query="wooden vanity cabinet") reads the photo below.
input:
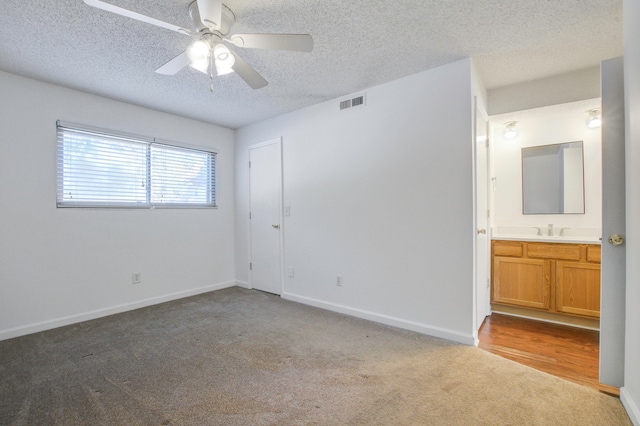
(522, 282)
(554, 277)
(578, 288)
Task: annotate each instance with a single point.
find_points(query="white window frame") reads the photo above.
(90, 194)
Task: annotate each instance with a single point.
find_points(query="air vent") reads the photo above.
(345, 104)
(354, 102)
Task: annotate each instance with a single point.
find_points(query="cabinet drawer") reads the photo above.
(507, 248)
(553, 251)
(593, 254)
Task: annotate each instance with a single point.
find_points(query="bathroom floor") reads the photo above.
(567, 352)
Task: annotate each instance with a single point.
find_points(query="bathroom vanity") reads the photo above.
(552, 274)
(547, 266)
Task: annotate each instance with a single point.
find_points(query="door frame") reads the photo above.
(277, 141)
(478, 108)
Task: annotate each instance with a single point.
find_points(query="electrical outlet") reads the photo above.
(339, 280)
(290, 272)
(287, 210)
(136, 278)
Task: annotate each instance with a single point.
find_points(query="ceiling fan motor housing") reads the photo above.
(228, 19)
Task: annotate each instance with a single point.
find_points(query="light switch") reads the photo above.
(287, 210)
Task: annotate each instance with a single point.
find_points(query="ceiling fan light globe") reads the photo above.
(223, 71)
(199, 51)
(202, 66)
(224, 59)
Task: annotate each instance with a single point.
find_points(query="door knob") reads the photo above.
(616, 239)
(275, 226)
(482, 231)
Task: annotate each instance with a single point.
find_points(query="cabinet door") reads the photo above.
(522, 282)
(578, 288)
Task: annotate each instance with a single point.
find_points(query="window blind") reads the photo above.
(100, 169)
(181, 176)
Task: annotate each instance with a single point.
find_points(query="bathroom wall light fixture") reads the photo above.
(510, 130)
(593, 120)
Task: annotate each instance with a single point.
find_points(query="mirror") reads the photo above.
(553, 179)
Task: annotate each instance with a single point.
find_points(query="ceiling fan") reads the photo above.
(213, 21)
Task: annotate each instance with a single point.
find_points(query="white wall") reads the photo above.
(382, 195)
(630, 393)
(545, 126)
(59, 266)
(558, 89)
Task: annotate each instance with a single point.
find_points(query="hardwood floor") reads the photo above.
(567, 352)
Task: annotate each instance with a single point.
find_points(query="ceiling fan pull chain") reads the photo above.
(211, 71)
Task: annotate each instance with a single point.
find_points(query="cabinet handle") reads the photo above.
(276, 226)
(482, 231)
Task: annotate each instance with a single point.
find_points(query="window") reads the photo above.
(100, 169)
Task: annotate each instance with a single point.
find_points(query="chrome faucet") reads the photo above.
(539, 230)
(550, 230)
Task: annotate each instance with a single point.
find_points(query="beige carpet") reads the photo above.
(240, 357)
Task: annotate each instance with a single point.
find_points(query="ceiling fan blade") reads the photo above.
(247, 73)
(296, 42)
(174, 65)
(134, 15)
(210, 13)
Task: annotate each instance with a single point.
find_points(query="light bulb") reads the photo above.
(594, 121)
(510, 130)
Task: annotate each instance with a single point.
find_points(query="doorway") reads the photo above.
(265, 217)
(611, 147)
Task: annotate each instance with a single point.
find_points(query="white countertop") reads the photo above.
(548, 239)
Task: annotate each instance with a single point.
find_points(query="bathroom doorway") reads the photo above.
(555, 124)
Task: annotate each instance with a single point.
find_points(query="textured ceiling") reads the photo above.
(358, 44)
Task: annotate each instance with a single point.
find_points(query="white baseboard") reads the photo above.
(99, 313)
(384, 319)
(631, 405)
(242, 284)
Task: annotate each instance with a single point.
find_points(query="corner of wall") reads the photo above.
(478, 88)
(632, 406)
(631, 25)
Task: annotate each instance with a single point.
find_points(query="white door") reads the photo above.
(265, 189)
(482, 221)
(612, 297)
